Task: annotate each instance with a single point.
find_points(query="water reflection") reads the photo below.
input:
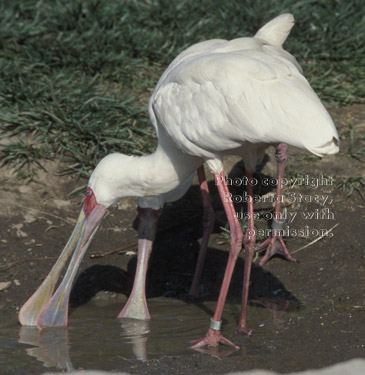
(136, 333)
(96, 339)
(51, 346)
(278, 308)
(220, 351)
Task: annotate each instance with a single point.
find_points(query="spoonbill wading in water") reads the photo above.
(216, 98)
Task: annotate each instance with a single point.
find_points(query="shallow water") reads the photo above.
(95, 339)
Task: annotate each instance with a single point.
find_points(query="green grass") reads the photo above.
(356, 148)
(76, 75)
(351, 184)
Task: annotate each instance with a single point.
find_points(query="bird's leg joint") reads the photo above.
(277, 226)
(281, 153)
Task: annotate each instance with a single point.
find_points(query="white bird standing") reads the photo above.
(216, 98)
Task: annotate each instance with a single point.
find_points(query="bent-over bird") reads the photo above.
(216, 98)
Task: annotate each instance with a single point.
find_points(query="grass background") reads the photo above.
(76, 75)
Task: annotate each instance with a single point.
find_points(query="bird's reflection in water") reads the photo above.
(51, 346)
(277, 307)
(220, 352)
(136, 333)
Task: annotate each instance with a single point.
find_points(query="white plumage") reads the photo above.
(216, 98)
(218, 95)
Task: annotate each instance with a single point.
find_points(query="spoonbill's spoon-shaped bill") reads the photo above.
(30, 311)
(43, 309)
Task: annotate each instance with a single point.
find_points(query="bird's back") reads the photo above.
(218, 95)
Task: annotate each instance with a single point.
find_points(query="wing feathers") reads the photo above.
(218, 96)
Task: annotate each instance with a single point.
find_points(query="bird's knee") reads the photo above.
(281, 153)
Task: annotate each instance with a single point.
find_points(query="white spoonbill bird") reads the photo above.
(216, 98)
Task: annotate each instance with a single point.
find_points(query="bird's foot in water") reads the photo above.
(243, 330)
(275, 245)
(213, 338)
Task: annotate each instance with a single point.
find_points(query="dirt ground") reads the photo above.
(326, 286)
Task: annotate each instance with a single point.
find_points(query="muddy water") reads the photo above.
(96, 340)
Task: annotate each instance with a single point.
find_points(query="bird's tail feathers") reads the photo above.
(277, 30)
(329, 148)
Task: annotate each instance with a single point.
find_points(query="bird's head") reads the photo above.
(108, 183)
(110, 180)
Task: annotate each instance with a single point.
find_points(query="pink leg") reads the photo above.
(214, 336)
(249, 243)
(136, 306)
(208, 224)
(275, 244)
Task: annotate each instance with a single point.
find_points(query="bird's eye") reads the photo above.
(88, 192)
